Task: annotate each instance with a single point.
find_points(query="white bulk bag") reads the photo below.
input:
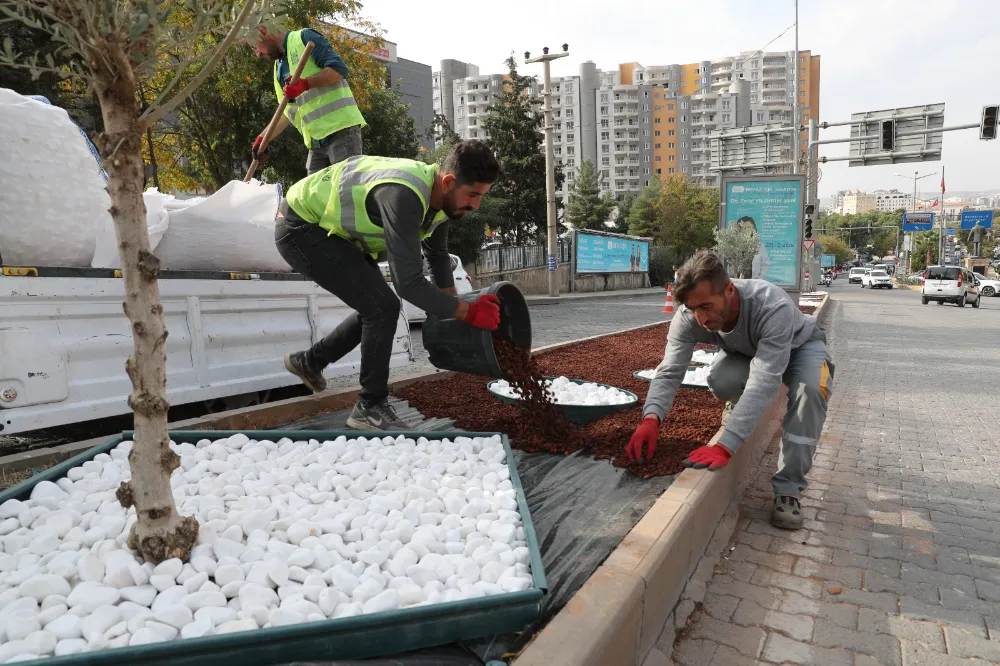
(52, 196)
(231, 230)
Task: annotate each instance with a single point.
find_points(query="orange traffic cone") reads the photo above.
(668, 307)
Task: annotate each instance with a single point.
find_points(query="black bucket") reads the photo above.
(454, 345)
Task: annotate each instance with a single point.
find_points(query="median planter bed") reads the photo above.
(609, 360)
(311, 545)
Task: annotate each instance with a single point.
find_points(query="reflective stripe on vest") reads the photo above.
(318, 112)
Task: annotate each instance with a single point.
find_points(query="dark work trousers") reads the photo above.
(354, 277)
(334, 149)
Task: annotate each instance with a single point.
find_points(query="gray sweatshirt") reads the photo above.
(769, 327)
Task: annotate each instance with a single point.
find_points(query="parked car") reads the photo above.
(988, 286)
(952, 284)
(876, 279)
(463, 285)
(855, 275)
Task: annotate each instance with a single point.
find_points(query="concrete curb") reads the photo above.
(259, 417)
(653, 580)
(576, 297)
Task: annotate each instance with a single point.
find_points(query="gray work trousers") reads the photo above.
(333, 149)
(809, 378)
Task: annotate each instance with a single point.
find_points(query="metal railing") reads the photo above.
(499, 259)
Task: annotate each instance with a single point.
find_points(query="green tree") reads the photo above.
(737, 245)
(391, 131)
(837, 247)
(924, 241)
(689, 214)
(513, 125)
(109, 46)
(443, 135)
(643, 211)
(586, 208)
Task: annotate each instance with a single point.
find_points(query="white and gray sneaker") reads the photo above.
(377, 417)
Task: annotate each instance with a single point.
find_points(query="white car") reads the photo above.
(988, 286)
(876, 279)
(855, 275)
(463, 285)
(953, 284)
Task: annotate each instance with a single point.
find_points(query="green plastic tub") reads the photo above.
(358, 637)
(577, 413)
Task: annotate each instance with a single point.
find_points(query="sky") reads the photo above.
(876, 54)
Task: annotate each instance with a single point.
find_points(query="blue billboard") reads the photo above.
(972, 217)
(828, 261)
(773, 205)
(918, 221)
(610, 254)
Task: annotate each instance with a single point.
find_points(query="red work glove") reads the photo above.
(293, 90)
(647, 433)
(713, 457)
(484, 313)
(256, 152)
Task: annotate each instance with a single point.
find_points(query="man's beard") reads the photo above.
(453, 211)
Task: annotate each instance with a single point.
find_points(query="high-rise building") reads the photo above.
(443, 82)
(412, 80)
(637, 122)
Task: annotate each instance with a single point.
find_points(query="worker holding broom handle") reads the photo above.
(321, 106)
(332, 225)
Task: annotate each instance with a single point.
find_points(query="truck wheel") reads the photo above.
(923, 299)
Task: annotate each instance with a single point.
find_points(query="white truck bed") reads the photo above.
(64, 341)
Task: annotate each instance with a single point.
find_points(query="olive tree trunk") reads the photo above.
(159, 532)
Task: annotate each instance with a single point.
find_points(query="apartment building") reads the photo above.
(443, 86)
(856, 201)
(889, 201)
(637, 122)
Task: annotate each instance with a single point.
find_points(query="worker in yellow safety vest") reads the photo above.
(321, 104)
(333, 224)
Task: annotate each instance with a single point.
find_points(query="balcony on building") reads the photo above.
(774, 63)
(774, 99)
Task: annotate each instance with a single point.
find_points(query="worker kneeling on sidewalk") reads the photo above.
(765, 341)
(333, 224)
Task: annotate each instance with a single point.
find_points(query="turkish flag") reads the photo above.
(934, 205)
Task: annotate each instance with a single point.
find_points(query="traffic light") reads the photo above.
(810, 209)
(988, 125)
(888, 135)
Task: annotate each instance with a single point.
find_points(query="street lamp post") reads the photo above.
(916, 176)
(550, 170)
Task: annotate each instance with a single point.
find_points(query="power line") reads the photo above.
(754, 54)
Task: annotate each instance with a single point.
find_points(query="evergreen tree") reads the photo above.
(513, 125)
(586, 208)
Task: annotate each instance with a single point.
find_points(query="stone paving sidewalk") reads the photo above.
(899, 561)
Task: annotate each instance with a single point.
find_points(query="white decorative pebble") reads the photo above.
(43, 585)
(99, 621)
(197, 629)
(70, 646)
(566, 392)
(65, 626)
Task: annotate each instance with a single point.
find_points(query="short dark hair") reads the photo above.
(472, 161)
(696, 270)
(747, 218)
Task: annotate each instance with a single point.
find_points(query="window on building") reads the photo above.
(657, 146)
(684, 118)
(656, 121)
(802, 60)
(671, 120)
(684, 130)
(725, 117)
(670, 133)
(570, 162)
(646, 173)
(604, 110)
(656, 132)
(659, 172)
(671, 145)
(645, 132)
(802, 83)
(802, 93)
(683, 84)
(684, 144)
(672, 170)
(670, 158)
(658, 158)
(647, 146)
(760, 117)
(570, 150)
(604, 97)
(475, 134)
(685, 157)
(569, 100)
(656, 95)
(670, 107)
(571, 137)
(605, 148)
(754, 75)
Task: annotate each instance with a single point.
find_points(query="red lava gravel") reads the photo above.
(807, 309)
(691, 423)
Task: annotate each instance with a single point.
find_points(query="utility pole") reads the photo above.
(916, 176)
(795, 98)
(550, 168)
